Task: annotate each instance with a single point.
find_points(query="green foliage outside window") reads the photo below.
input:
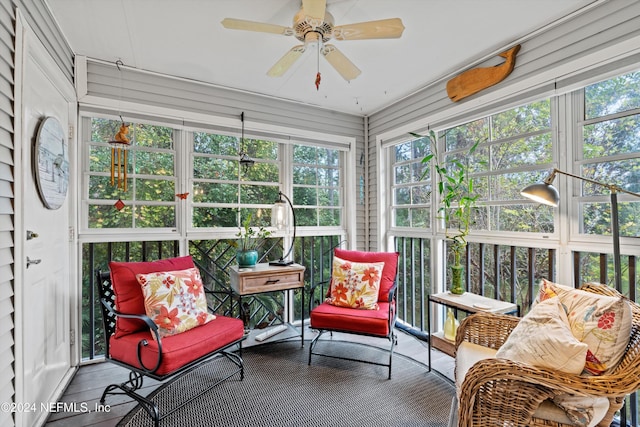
(611, 153)
(150, 197)
(515, 145)
(411, 184)
(317, 191)
(220, 184)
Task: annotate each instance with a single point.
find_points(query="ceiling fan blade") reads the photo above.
(340, 62)
(261, 27)
(284, 63)
(383, 29)
(314, 9)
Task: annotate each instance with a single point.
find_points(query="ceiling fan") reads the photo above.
(314, 25)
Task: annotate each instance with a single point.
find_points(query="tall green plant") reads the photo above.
(457, 197)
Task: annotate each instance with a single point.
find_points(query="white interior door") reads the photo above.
(43, 295)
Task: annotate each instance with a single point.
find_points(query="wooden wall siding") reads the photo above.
(105, 81)
(544, 66)
(7, 66)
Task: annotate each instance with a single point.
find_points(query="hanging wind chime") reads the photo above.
(119, 146)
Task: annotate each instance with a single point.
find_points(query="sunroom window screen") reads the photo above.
(611, 154)
(221, 184)
(317, 186)
(149, 200)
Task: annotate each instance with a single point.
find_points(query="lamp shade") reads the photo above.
(280, 221)
(280, 215)
(542, 193)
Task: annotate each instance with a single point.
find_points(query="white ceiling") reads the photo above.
(185, 38)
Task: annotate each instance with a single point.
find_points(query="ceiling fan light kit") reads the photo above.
(313, 24)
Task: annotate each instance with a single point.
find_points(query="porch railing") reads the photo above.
(505, 273)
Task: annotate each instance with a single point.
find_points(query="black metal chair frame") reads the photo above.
(137, 374)
(392, 337)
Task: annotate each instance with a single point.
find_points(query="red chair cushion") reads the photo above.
(129, 297)
(389, 271)
(177, 350)
(372, 322)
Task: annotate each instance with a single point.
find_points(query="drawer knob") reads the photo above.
(271, 281)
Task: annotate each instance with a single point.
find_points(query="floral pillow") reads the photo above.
(542, 338)
(175, 300)
(600, 321)
(355, 284)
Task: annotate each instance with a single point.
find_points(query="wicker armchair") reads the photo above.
(507, 393)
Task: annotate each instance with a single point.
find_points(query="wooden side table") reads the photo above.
(469, 303)
(266, 278)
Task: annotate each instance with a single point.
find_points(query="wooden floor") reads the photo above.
(80, 404)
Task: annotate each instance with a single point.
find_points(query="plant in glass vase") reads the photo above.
(458, 201)
(249, 240)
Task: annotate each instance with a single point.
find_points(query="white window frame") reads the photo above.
(123, 234)
(183, 230)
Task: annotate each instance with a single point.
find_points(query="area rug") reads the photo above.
(280, 389)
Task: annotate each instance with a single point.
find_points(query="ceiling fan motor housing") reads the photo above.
(302, 25)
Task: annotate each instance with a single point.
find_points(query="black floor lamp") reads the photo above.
(546, 193)
(279, 220)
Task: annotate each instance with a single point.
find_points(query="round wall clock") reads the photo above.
(51, 163)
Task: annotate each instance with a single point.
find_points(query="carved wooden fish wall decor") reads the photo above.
(474, 80)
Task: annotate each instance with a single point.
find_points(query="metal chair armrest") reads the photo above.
(143, 343)
(393, 310)
(392, 291)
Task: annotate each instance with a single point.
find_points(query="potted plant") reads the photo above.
(249, 240)
(458, 201)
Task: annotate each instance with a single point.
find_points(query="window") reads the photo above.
(511, 145)
(212, 190)
(133, 188)
(316, 186)
(610, 153)
(411, 187)
(221, 184)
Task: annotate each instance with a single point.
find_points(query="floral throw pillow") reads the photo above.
(175, 300)
(355, 284)
(600, 321)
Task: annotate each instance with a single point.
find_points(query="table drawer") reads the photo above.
(271, 282)
(266, 278)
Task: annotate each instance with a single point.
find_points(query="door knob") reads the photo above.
(33, 261)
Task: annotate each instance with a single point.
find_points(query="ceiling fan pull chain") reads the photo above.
(318, 77)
